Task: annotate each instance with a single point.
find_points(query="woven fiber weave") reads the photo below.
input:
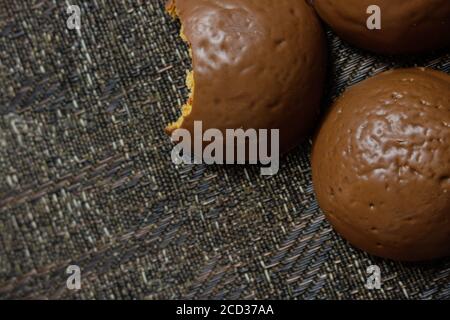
(87, 178)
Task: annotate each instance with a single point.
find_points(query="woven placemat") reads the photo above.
(87, 179)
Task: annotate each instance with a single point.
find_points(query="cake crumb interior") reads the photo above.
(186, 109)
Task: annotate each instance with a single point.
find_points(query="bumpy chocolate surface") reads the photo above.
(381, 165)
(257, 64)
(408, 26)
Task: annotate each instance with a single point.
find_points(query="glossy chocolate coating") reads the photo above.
(381, 165)
(258, 64)
(408, 26)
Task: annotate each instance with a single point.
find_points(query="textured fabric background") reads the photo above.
(86, 175)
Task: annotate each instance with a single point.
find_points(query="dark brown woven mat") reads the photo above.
(86, 175)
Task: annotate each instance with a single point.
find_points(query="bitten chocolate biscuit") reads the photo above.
(407, 26)
(381, 165)
(257, 64)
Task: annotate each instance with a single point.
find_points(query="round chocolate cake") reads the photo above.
(381, 165)
(257, 64)
(406, 26)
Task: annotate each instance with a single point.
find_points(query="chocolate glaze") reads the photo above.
(381, 165)
(408, 26)
(257, 64)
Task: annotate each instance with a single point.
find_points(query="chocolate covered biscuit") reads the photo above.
(381, 165)
(257, 64)
(406, 26)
